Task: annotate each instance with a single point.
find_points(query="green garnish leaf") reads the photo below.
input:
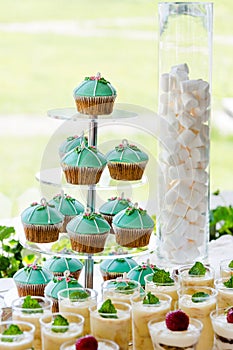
(198, 269)
(151, 299)
(229, 283)
(109, 309)
(60, 324)
(33, 304)
(125, 287)
(231, 264)
(11, 330)
(162, 277)
(81, 294)
(199, 297)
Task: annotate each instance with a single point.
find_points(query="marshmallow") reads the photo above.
(183, 190)
(175, 239)
(201, 221)
(192, 231)
(180, 67)
(197, 126)
(203, 89)
(186, 120)
(177, 172)
(171, 222)
(169, 158)
(186, 137)
(163, 108)
(202, 207)
(189, 85)
(189, 101)
(192, 215)
(194, 199)
(204, 133)
(200, 187)
(170, 144)
(179, 209)
(171, 196)
(203, 164)
(205, 116)
(191, 250)
(198, 112)
(197, 142)
(183, 154)
(166, 82)
(164, 98)
(171, 118)
(198, 175)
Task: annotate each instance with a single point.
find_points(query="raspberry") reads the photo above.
(86, 343)
(177, 321)
(230, 315)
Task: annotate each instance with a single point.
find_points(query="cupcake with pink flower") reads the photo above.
(139, 272)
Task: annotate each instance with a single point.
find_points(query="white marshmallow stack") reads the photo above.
(184, 109)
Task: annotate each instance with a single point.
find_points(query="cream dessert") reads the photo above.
(226, 268)
(161, 282)
(177, 332)
(30, 309)
(57, 328)
(78, 300)
(224, 287)
(145, 308)
(91, 343)
(198, 303)
(111, 321)
(16, 335)
(196, 275)
(222, 322)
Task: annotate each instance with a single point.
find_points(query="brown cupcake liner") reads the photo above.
(55, 305)
(96, 105)
(30, 289)
(84, 243)
(42, 233)
(74, 274)
(109, 219)
(67, 219)
(132, 238)
(126, 171)
(82, 175)
(110, 275)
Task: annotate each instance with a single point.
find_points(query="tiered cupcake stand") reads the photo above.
(125, 116)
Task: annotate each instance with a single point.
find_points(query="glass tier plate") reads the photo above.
(55, 177)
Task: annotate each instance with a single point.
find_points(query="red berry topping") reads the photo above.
(86, 343)
(177, 321)
(230, 315)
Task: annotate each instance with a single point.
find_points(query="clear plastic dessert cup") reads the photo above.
(223, 330)
(69, 302)
(22, 341)
(200, 308)
(164, 339)
(167, 288)
(142, 314)
(187, 279)
(32, 315)
(225, 294)
(115, 329)
(112, 290)
(225, 268)
(103, 344)
(53, 336)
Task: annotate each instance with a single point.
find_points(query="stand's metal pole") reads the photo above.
(89, 269)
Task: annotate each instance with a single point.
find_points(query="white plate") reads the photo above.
(6, 284)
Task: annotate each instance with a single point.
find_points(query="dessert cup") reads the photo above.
(103, 344)
(163, 338)
(23, 341)
(19, 313)
(167, 288)
(142, 314)
(53, 336)
(223, 330)
(225, 269)
(200, 310)
(68, 302)
(187, 279)
(116, 329)
(225, 294)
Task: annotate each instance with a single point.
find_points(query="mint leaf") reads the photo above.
(11, 330)
(229, 283)
(151, 299)
(231, 264)
(162, 277)
(199, 297)
(30, 303)
(198, 269)
(81, 294)
(60, 324)
(126, 287)
(109, 309)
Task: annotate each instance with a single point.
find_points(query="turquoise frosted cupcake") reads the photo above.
(113, 268)
(139, 272)
(67, 206)
(126, 162)
(112, 207)
(70, 143)
(83, 165)
(95, 96)
(58, 265)
(32, 280)
(42, 222)
(133, 227)
(88, 232)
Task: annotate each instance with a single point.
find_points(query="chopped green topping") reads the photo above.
(125, 287)
(151, 299)
(60, 324)
(11, 330)
(231, 264)
(80, 294)
(162, 277)
(33, 304)
(109, 309)
(229, 283)
(199, 297)
(198, 269)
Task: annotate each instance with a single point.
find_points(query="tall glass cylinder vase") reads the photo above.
(185, 68)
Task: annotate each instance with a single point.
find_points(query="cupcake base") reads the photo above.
(109, 219)
(82, 175)
(84, 243)
(42, 233)
(132, 238)
(30, 289)
(126, 171)
(55, 305)
(96, 105)
(110, 275)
